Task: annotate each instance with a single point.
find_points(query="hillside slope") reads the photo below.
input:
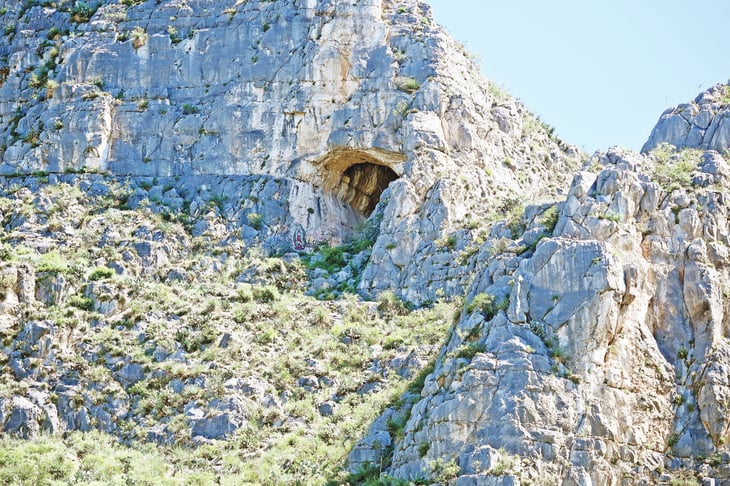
(325, 103)
(300, 242)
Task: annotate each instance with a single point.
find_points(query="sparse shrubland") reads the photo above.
(204, 357)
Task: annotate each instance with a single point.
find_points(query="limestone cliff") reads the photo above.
(170, 170)
(329, 103)
(593, 350)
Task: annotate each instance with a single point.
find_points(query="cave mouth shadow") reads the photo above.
(358, 177)
(362, 184)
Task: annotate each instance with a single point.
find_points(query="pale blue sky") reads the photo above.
(600, 72)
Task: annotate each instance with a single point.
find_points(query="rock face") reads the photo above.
(597, 355)
(332, 102)
(592, 347)
(702, 123)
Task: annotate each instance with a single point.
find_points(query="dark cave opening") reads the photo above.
(362, 184)
(358, 177)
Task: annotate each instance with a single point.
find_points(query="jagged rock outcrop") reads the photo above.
(334, 101)
(703, 123)
(592, 355)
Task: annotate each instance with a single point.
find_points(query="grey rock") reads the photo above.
(309, 382)
(327, 409)
(143, 249)
(704, 124)
(23, 418)
(52, 288)
(83, 420)
(177, 385)
(177, 275)
(216, 427)
(159, 434)
(130, 374)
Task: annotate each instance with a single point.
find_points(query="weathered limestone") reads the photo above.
(702, 123)
(604, 352)
(334, 102)
(593, 347)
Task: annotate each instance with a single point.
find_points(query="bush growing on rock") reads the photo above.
(486, 304)
(101, 273)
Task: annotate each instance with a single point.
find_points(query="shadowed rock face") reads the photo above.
(362, 185)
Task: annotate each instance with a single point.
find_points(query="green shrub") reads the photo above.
(268, 293)
(363, 237)
(53, 32)
(369, 475)
(192, 339)
(416, 385)
(506, 464)
(444, 471)
(255, 220)
(409, 85)
(486, 304)
(139, 37)
(390, 304)
(242, 314)
(189, 109)
(81, 302)
(672, 168)
(44, 460)
(423, 448)
(447, 242)
(673, 439)
(393, 342)
(611, 216)
(175, 39)
(101, 273)
(467, 253)
(81, 12)
(396, 426)
(470, 350)
(550, 218)
(7, 283)
(513, 208)
(52, 261)
(245, 294)
(332, 258)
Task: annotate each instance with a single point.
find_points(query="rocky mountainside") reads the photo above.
(593, 349)
(304, 242)
(326, 103)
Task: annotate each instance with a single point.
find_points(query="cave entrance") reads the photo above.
(359, 177)
(363, 183)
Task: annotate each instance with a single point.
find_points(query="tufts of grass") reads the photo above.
(673, 168)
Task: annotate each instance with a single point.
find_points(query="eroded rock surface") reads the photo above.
(337, 103)
(702, 123)
(595, 357)
(593, 344)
